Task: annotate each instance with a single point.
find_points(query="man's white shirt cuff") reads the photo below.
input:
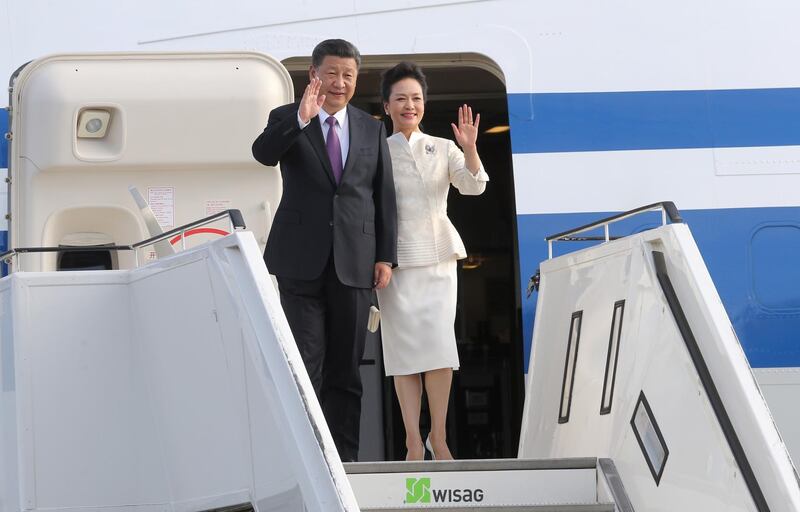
(300, 122)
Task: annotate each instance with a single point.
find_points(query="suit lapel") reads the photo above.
(314, 134)
(356, 128)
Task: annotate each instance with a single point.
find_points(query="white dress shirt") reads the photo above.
(424, 167)
(341, 129)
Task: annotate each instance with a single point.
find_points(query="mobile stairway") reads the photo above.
(176, 386)
(147, 375)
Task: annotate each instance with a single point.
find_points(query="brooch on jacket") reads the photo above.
(430, 149)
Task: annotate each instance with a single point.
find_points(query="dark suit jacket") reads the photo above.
(356, 219)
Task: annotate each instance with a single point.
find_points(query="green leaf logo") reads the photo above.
(418, 490)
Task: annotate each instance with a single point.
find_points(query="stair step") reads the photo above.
(354, 468)
(602, 507)
(498, 484)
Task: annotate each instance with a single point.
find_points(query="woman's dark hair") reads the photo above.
(402, 70)
(335, 48)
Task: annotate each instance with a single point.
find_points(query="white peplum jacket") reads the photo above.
(424, 167)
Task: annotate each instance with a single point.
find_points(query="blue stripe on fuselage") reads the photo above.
(610, 121)
(742, 261)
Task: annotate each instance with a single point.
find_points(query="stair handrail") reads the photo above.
(622, 502)
(668, 212)
(234, 216)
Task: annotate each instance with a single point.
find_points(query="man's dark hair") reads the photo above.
(402, 70)
(335, 48)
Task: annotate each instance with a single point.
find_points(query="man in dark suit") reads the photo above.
(334, 236)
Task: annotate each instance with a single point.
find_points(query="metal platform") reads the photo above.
(574, 484)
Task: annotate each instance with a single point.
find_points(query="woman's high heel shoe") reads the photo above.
(430, 447)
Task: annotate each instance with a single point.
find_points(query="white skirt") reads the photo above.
(418, 311)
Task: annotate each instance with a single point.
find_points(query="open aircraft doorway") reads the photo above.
(488, 390)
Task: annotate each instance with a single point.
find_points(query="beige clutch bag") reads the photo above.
(374, 319)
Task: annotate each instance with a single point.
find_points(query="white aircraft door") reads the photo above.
(177, 126)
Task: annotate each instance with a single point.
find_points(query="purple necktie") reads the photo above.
(334, 149)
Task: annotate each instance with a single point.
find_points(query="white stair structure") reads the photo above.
(634, 358)
(172, 387)
(177, 386)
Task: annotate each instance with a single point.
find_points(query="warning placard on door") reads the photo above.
(162, 202)
(217, 205)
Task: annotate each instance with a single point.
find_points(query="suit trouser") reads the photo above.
(329, 323)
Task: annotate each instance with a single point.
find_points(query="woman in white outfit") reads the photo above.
(418, 307)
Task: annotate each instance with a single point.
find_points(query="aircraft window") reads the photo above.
(569, 366)
(612, 357)
(773, 255)
(651, 442)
